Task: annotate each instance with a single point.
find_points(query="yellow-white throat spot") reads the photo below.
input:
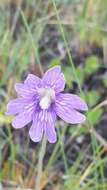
(47, 96)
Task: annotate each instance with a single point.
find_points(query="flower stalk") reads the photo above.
(40, 163)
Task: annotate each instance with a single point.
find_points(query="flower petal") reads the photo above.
(60, 83)
(51, 75)
(43, 121)
(72, 101)
(16, 106)
(50, 128)
(54, 78)
(32, 81)
(23, 118)
(24, 91)
(65, 111)
(36, 130)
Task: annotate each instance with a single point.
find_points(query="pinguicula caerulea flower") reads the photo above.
(40, 101)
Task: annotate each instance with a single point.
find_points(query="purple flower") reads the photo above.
(41, 100)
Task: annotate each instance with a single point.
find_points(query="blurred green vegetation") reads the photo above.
(40, 34)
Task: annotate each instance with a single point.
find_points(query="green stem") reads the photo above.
(40, 163)
(66, 45)
(62, 151)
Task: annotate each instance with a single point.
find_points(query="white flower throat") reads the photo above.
(47, 96)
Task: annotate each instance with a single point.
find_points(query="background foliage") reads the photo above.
(73, 34)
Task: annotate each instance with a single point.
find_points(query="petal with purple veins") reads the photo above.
(43, 121)
(54, 79)
(60, 83)
(24, 91)
(16, 106)
(72, 101)
(36, 130)
(51, 75)
(32, 81)
(23, 118)
(66, 112)
(50, 128)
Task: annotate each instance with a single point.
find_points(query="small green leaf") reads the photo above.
(1, 175)
(105, 81)
(94, 116)
(81, 130)
(68, 75)
(53, 63)
(92, 97)
(5, 119)
(91, 65)
(80, 74)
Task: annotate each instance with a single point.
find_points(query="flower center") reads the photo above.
(47, 96)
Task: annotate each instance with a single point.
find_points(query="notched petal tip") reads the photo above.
(52, 141)
(62, 75)
(15, 125)
(36, 130)
(54, 78)
(57, 67)
(82, 120)
(33, 138)
(28, 78)
(17, 86)
(7, 113)
(60, 83)
(32, 81)
(30, 75)
(82, 106)
(7, 109)
(22, 119)
(51, 134)
(79, 103)
(85, 107)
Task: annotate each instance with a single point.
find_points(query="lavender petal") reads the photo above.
(16, 106)
(36, 130)
(65, 111)
(23, 119)
(43, 121)
(54, 79)
(24, 91)
(32, 81)
(59, 84)
(72, 101)
(50, 128)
